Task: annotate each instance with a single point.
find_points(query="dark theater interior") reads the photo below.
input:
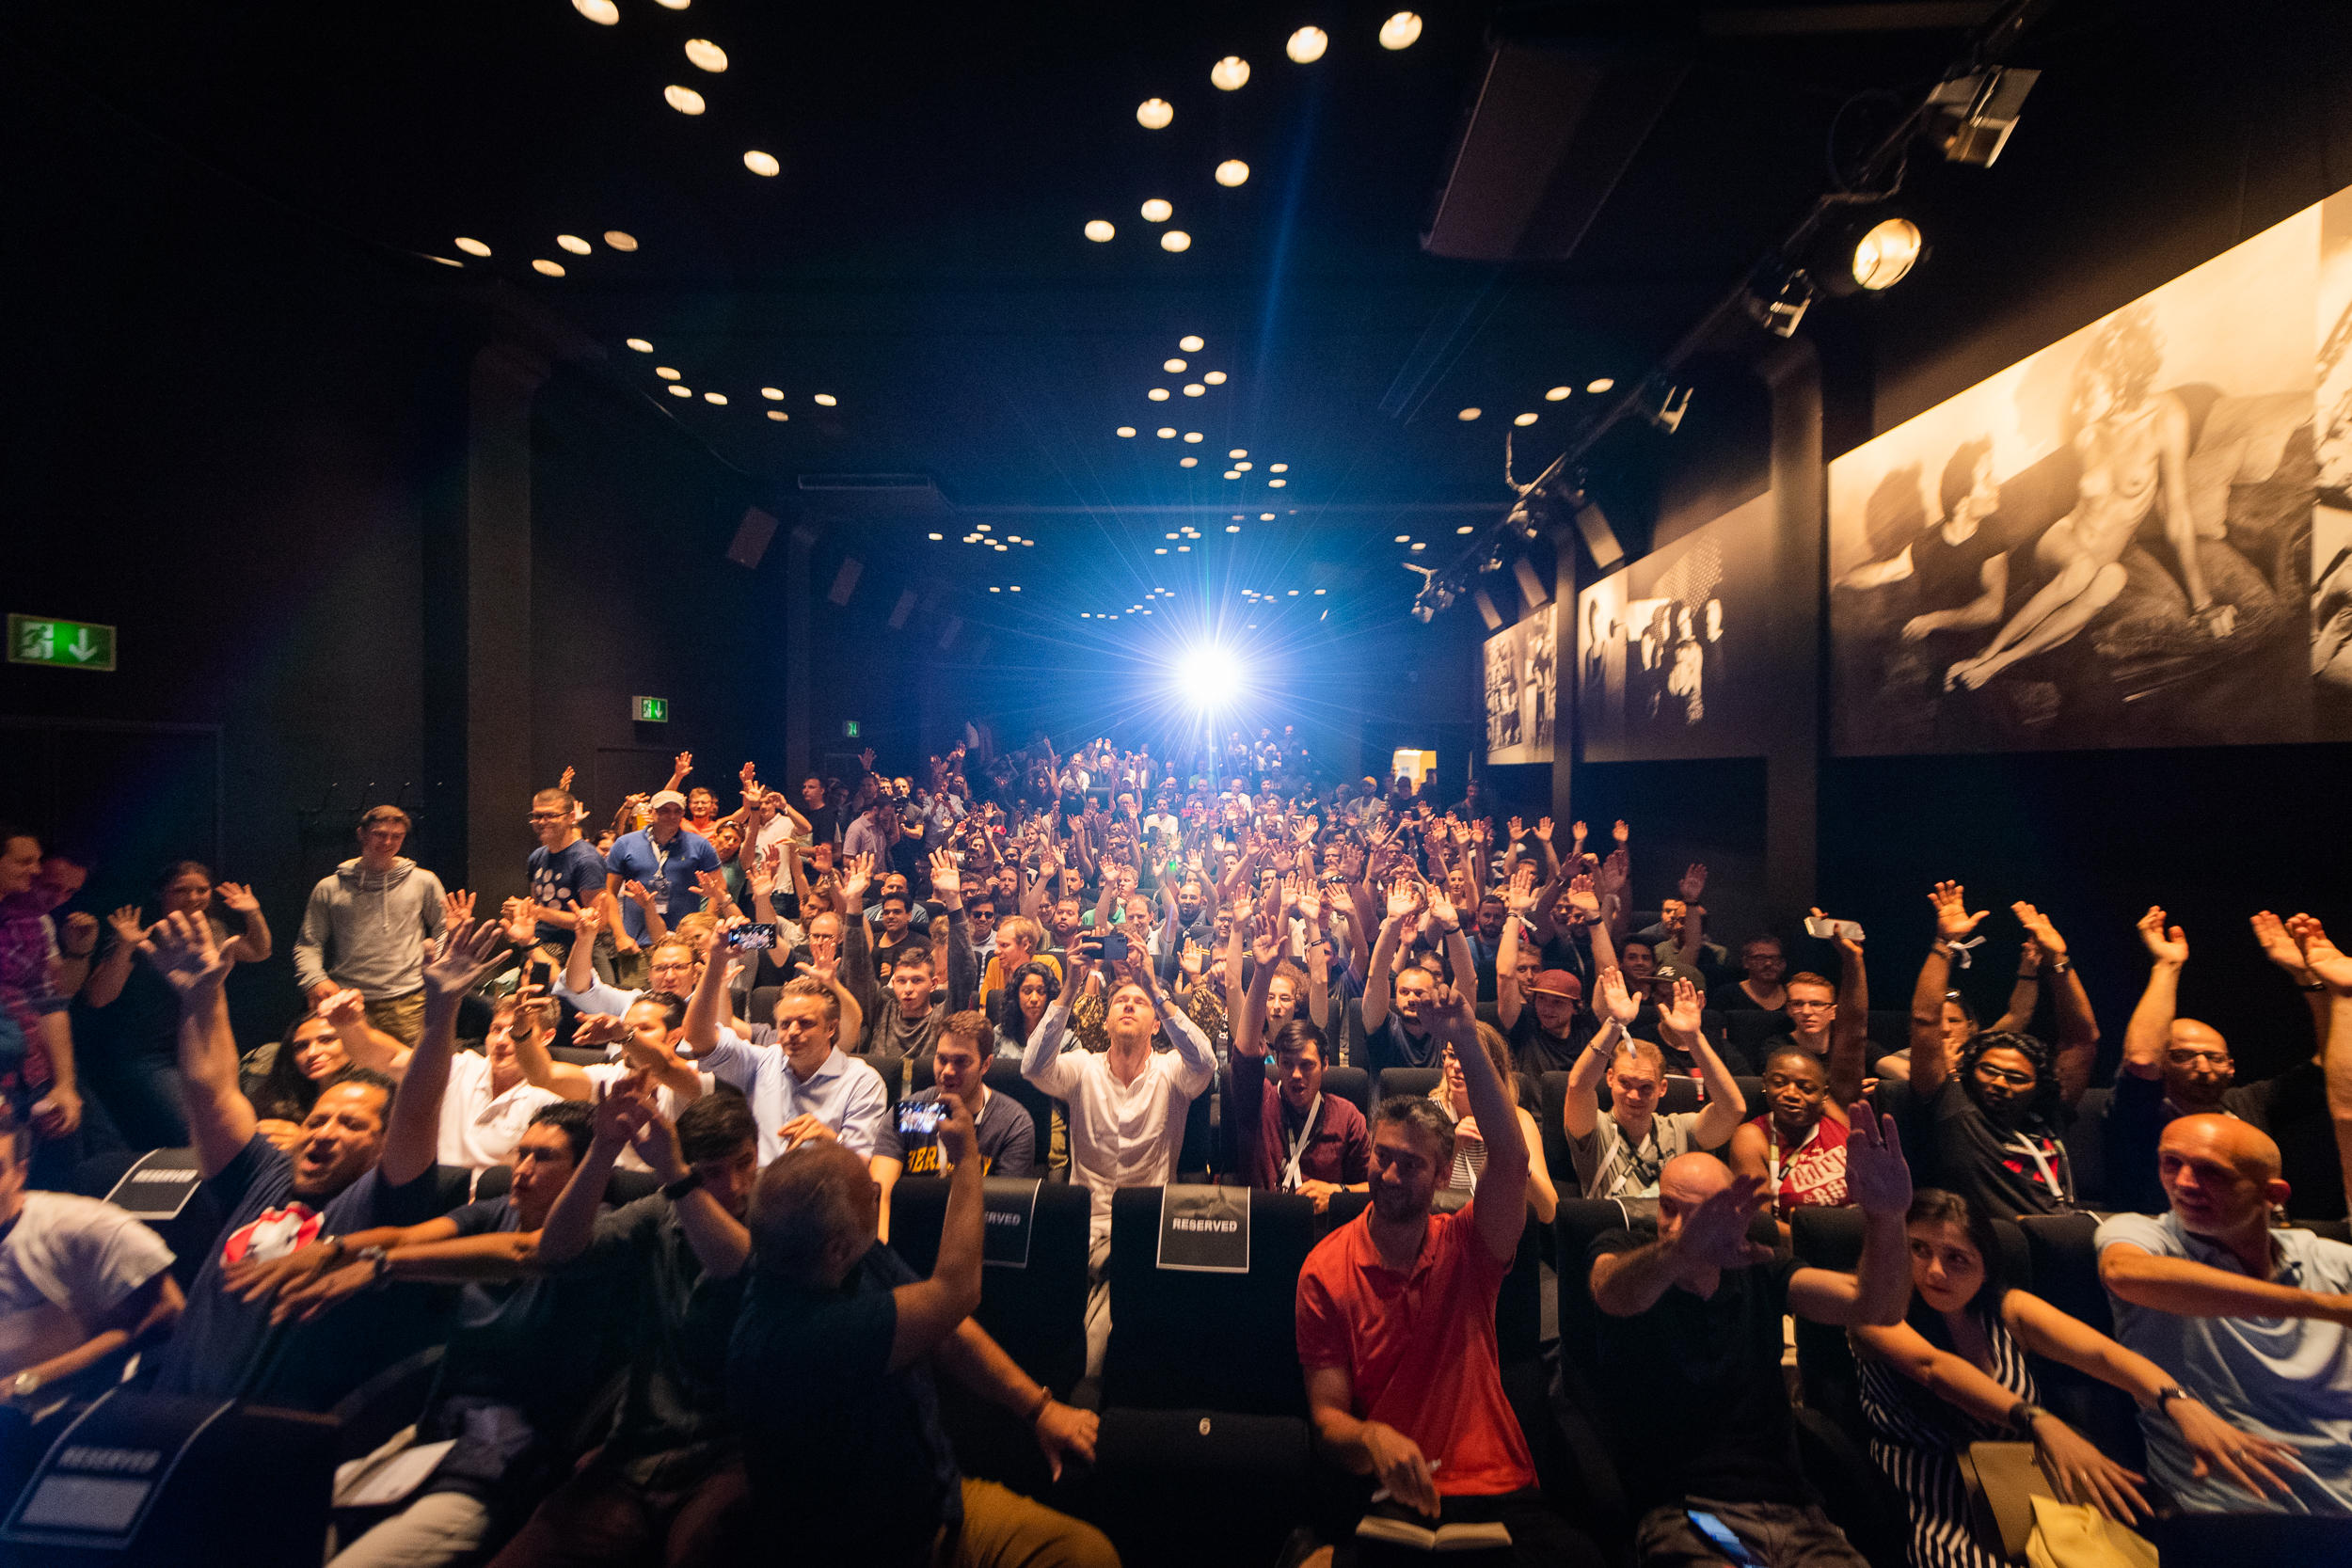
(1558, 780)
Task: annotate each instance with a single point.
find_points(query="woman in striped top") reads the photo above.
(1470, 1150)
(1953, 1372)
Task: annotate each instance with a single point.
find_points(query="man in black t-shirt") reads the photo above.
(1689, 1350)
(365, 1161)
(831, 1374)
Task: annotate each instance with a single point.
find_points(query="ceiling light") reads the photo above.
(1100, 230)
(1318, 593)
(1233, 172)
(550, 269)
(1157, 394)
(604, 13)
(1166, 432)
(1242, 467)
(1279, 469)
(1232, 528)
(773, 394)
(1016, 588)
(1419, 544)
(1187, 462)
(1159, 549)
(1556, 394)
(1181, 550)
(1173, 366)
(984, 528)
(1522, 420)
(937, 536)
(1215, 378)
(1238, 451)
(718, 398)
(1970, 117)
(1292, 593)
(1469, 414)
(1404, 539)
(1599, 385)
(1194, 389)
(1154, 114)
(1233, 473)
(472, 248)
(1126, 430)
(1276, 484)
(1466, 529)
(1002, 548)
(826, 400)
(1192, 436)
(1229, 74)
(639, 345)
(673, 5)
(574, 243)
(1263, 517)
(1028, 543)
(665, 372)
(1872, 250)
(686, 101)
(707, 54)
(1191, 345)
(1175, 239)
(780, 416)
(763, 164)
(1307, 45)
(677, 392)
(1157, 210)
(620, 239)
(994, 589)
(1401, 31)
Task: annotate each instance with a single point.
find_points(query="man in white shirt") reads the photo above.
(1126, 1106)
(800, 1084)
(492, 1093)
(79, 1278)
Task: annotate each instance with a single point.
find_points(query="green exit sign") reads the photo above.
(653, 710)
(849, 729)
(69, 645)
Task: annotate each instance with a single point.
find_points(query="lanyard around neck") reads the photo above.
(1298, 1144)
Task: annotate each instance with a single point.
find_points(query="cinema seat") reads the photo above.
(1358, 1051)
(2087, 1149)
(1747, 1029)
(622, 1186)
(1411, 1081)
(1351, 1083)
(2064, 1267)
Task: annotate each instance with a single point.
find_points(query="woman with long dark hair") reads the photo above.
(1953, 1372)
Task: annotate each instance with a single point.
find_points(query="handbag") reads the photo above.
(2070, 1535)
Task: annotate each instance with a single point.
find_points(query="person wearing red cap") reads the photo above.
(1543, 1014)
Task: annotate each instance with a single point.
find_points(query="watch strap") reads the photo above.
(684, 1184)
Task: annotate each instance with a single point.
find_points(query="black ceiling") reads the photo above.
(921, 256)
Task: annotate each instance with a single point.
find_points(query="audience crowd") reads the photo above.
(627, 1146)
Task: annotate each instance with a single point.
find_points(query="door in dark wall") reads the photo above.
(132, 796)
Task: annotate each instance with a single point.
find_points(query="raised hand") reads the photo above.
(1519, 897)
(857, 876)
(588, 923)
(639, 892)
(1264, 946)
(1616, 1000)
(1620, 833)
(237, 895)
(1518, 828)
(182, 949)
(128, 928)
(712, 885)
(2166, 944)
(457, 908)
(1578, 832)
(1683, 1015)
(1877, 1176)
(946, 880)
(2038, 926)
(1543, 829)
(1953, 919)
(1404, 900)
(1715, 1234)
(1692, 886)
(2325, 962)
(460, 960)
(621, 1110)
(344, 1009)
(1582, 898)
(563, 780)
(1615, 872)
(1188, 959)
(2279, 944)
(1441, 909)
(683, 765)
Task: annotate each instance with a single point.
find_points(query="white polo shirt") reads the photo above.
(480, 1129)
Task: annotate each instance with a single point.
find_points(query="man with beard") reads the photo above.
(2172, 1067)
(1294, 1138)
(1987, 1120)
(1396, 1319)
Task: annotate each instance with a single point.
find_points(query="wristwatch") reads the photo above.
(2164, 1395)
(684, 1184)
(380, 1259)
(2022, 1415)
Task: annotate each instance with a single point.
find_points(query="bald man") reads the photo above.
(2173, 1067)
(2249, 1318)
(1689, 1353)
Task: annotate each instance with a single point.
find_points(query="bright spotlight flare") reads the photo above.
(1211, 676)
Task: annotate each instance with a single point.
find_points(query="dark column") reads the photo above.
(1792, 765)
(797, 763)
(496, 584)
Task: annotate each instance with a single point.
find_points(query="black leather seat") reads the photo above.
(2064, 1272)
(1358, 1051)
(1351, 1083)
(2087, 1149)
(1747, 1029)
(1411, 1082)
(622, 1186)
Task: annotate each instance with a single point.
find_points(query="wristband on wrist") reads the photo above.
(1045, 1400)
(683, 1185)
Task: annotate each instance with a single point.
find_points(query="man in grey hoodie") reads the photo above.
(374, 912)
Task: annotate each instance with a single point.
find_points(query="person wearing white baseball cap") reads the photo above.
(663, 857)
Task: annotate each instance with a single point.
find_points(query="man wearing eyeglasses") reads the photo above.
(2173, 1067)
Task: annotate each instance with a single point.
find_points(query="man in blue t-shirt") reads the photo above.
(566, 873)
(364, 1163)
(665, 857)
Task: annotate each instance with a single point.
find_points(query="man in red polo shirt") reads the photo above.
(1396, 1321)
